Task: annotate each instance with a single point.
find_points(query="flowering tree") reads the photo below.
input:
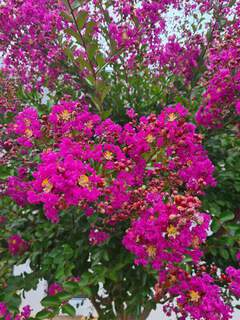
(120, 141)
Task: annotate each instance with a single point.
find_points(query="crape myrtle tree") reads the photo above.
(119, 153)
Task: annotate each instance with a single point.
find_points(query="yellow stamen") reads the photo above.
(89, 124)
(151, 251)
(137, 239)
(47, 186)
(108, 155)
(172, 117)
(172, 279)
(65, 115)
(195, 242)
(150, 138)
(28, 133)
(194, 296)
(172, 231)
(208, 96)
(27, 122)
(83, 181)
(124, 35)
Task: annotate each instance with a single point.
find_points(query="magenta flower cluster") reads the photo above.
(69, 175)
(146, 176)
(200, 298)
(149, 172)
(234, 275)
(33, 49)
(54, 289)
(6, 315)
(221, 97)
(27, 126)
(17, 245)
(29, 40)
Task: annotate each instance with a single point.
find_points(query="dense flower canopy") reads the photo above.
(149, 172)
(120, 120)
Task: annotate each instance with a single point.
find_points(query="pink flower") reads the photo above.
(234, 275)
(200, 298)
(3, 309)
(97, 237)
(17, 189)
(238, 256)
(165, 234)
(26, 312)
(238, 107)
(16, 245)
(131, 113)
(27, 126)
(3, 219)
(54, 289)
(36, 24)
(221, 93)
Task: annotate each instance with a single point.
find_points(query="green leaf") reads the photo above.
(113, 275)
(50, 301)
(71, 286)
(74, 34)
(85, 279)
(83, 63)
(226, 216)
(81, 19)
(102, 90)
(224, 253)
(76, 4)
(66, 16)
(100, 60)
(105, 115)
(95, 101)
(233, 226)
(68, 309)
(67, 251)
(213, 251)
(92, 49)
(87, 291)
(69, 53)
(44, 314)
(60, 272)
(89, 29)
(64, 296)
(13, 300)
(90, 80)
(105, 253)
(215, 225)
(5, 172)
